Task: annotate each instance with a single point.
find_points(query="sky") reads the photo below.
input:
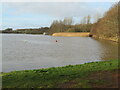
(18, 15)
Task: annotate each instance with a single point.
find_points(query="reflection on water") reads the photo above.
(21, 51)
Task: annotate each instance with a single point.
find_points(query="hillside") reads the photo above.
(107, 27)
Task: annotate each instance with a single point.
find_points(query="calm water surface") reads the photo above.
(21, 51)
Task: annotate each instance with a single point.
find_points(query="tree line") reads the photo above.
(66, 25)
(27, 31)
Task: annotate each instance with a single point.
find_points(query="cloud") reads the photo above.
(55, 9)
(59, 0)
(38, 14)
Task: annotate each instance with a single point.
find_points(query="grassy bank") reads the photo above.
(72, 76)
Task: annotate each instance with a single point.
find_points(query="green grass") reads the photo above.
(55, 76)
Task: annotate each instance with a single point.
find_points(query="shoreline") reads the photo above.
(21, 33)
(74, 34)
(108, 39)
(57, 77)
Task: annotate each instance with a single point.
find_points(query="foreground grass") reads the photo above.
(71, 76)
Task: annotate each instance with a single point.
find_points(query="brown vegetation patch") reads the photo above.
(107, 27)
(104, 79)
(69, 84)
(72, 34)
(99, 79)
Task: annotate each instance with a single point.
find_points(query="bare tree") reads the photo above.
(88, 19)
(83, 21)
(68, 21)
(97, 17)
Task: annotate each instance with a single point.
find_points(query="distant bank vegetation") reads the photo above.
(107, 27)
(67, 26)
(72, 34)
(103, 28)
(27, 31)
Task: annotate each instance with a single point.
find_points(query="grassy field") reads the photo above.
(94, 74)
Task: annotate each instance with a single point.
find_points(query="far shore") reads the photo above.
(72, 34)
